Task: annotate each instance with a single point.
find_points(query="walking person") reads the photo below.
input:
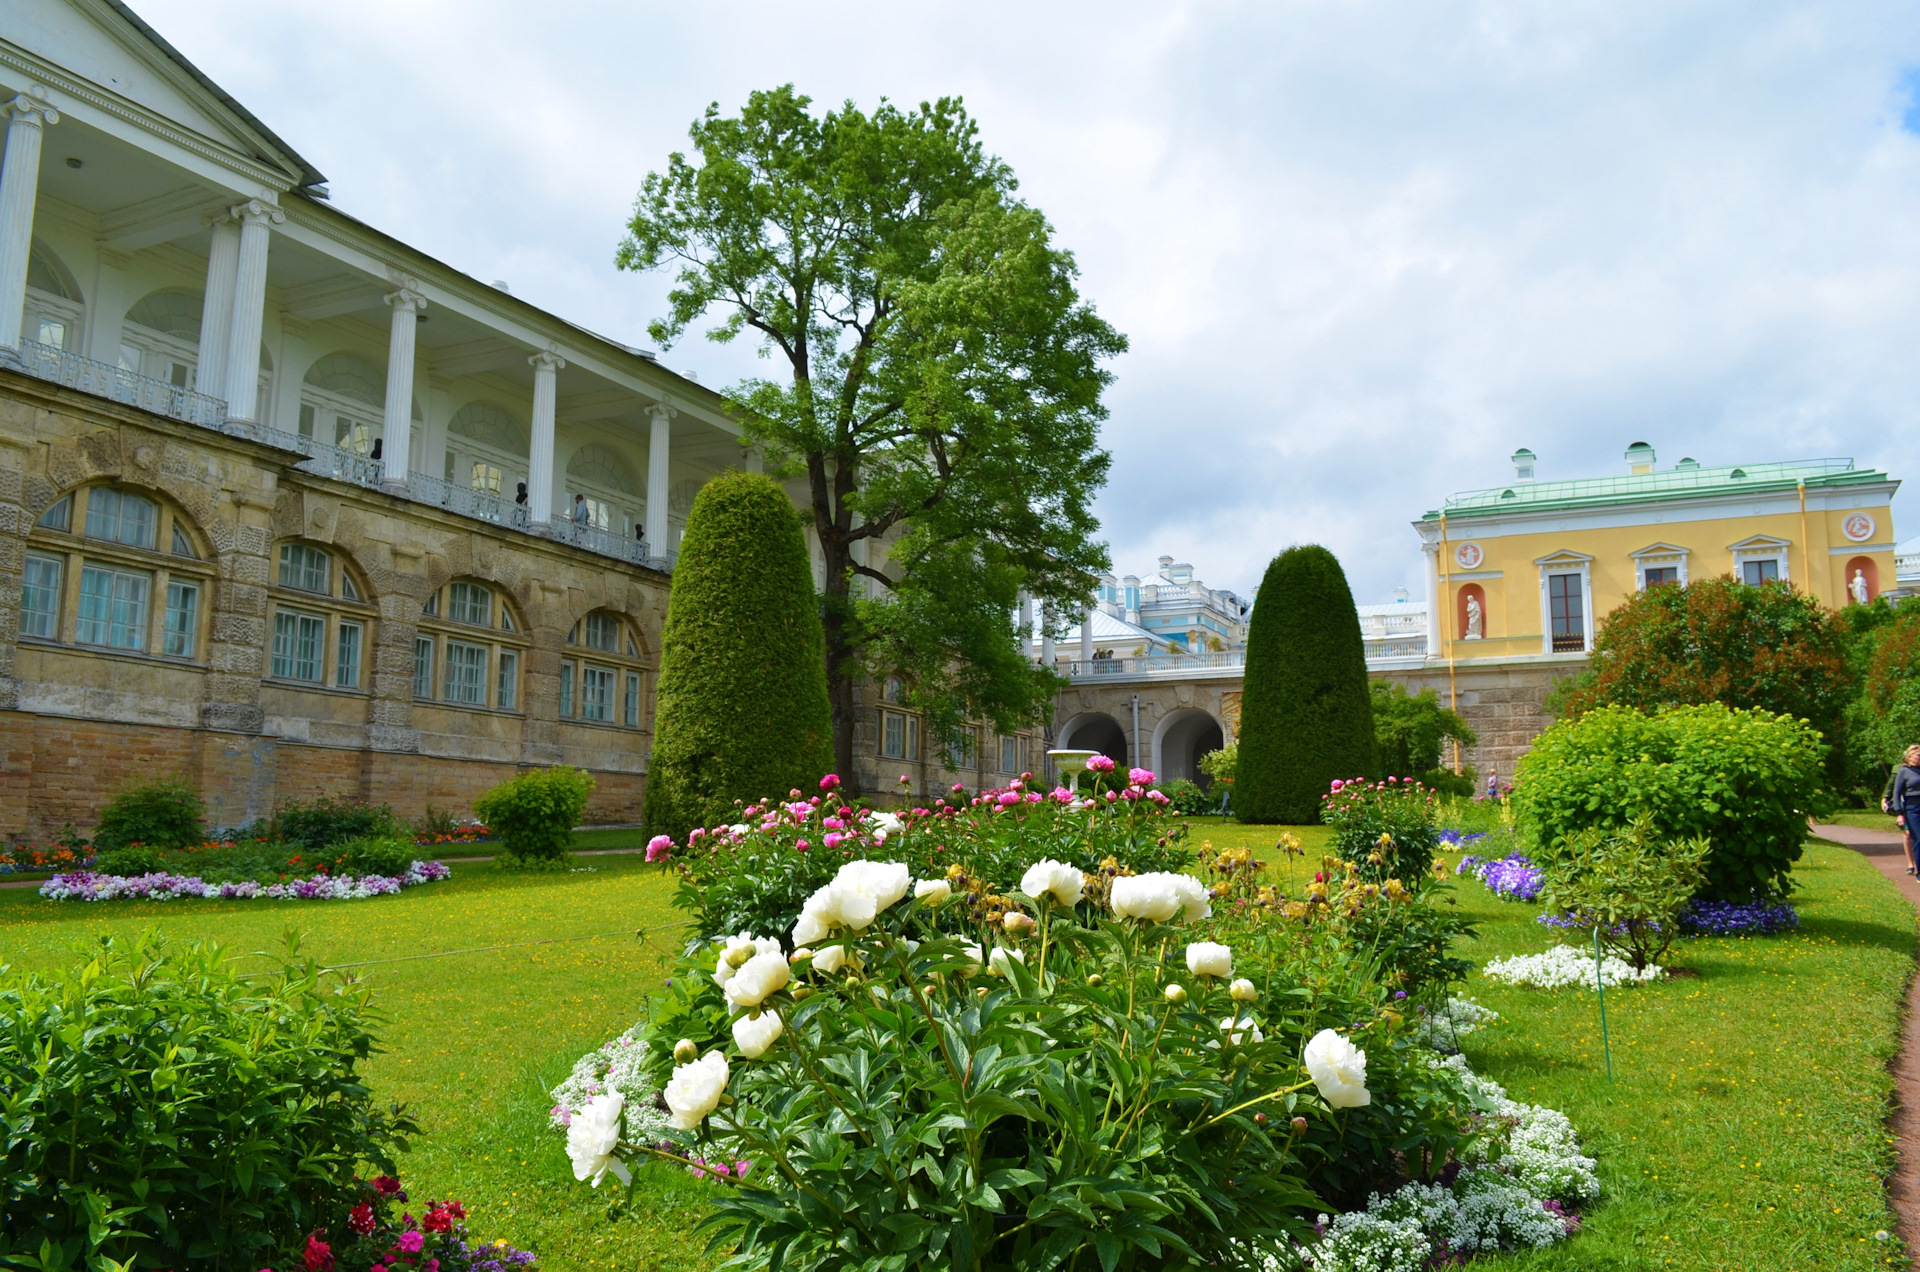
(1903, 801)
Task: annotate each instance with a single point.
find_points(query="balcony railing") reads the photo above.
(44, 362)
(1569, 643)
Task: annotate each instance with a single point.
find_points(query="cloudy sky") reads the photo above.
(1363, 250)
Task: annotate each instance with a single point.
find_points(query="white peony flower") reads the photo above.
(1243, 991)
(1209, 958)
(998, 961)
(885, 824)
(1243, 1028)
(1339, 1069)
(932, 891)
(694, 1091)
(1176, 993)
(1017, 923)
(592, 1137)
(754, 1034)
(758, 978)
(1158, 897)
(738, 950)
(1055, 879)
(861, 890)
(739, 828)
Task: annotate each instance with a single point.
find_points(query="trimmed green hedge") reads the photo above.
(743, 684)
(1746, 780)
(1306, 715)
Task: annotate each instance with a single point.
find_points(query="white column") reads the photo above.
(1046, 641)
(397, 424)
(1430, 558)
(106, 305)
(257, 220)
(27, 114)
(1026, 626)
(750, 460)
(1086, 641)
(546, 370)
(657, 453)
(216, 307)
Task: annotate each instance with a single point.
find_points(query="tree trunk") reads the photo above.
(837, 620)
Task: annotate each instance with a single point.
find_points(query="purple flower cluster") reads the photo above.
(497, 1257)
(1513, 876)
(84, 885)
(1461, 838)
(1738, 918)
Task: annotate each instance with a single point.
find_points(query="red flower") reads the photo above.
(437, 1220)
(319, 1253)
(457, 1210)
(361, 1220)
(386, 1186)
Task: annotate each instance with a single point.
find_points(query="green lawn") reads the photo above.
(1745, 1128)
(1865, 819)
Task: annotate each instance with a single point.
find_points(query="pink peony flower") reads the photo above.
(1140, 776)
(1100, 764)
(829, 782)
(659, 846)
(834, 839)
(411, 1242)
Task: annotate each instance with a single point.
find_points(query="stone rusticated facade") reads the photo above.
(75, 723)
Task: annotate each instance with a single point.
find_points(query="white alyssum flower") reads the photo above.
(759, 978)
(861, 890)
(1209, 958)
(1564, 965)
(754, 1034)
(1534, 1145)
(1339, 1070)
(1242, 1029)
(1002, 958)
(1243, 990)
(1158, 897)
(593, 1136)
(1056, 879)
(620, 1066)
(1359, 1242)
(1444, 1028)
(932, 891)
(739, 949)
(695, 1090)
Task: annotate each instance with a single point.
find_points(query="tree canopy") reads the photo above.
(1411, 730)
(939, 383)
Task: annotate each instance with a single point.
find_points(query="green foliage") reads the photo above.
(1389, 828)
(165, 813)
(1746, 780)
(324, 823)
(939, 380)
(535, 813)
(1187, 798)
(1306, 715)
(1411, 729)
(1627, 883)
(162, 1109)
(389, 855)
(1885, 719)
(743, 694)
(1769, 648)
(128, 862)
(1221, 765)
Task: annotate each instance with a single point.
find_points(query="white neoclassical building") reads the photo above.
(161, 246)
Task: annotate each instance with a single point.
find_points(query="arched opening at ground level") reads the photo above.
(1095, 731)
(1181, 740)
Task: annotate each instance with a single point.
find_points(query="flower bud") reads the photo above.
(1243, 991)
(1259, 1119)
(1017, 923)
(1299, 1126)
(1094, 979)
(684, 1052)
(802, 993)
(739, 955)
(1176, 993)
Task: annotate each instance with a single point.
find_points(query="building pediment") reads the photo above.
(1760, 543)
(1563, 559)
(1659, 550)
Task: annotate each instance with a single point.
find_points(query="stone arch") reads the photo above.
(137, 460)
(1180, 739)
(630, 623)
(1095, 731)
(46, 272)
(350, 565)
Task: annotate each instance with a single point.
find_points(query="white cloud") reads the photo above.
(1363, 250)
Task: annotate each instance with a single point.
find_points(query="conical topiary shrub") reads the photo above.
(1306, 716)
(743, 684)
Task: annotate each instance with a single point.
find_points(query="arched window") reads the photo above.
(322, 619)
(116, 568)
(470, 648)
(605, 481)
(342, 403)
(486, 449)
(603, 675)
(53, 301)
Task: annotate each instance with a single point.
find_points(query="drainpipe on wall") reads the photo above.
(1136, 732)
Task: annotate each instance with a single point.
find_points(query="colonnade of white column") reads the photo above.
(546, 373)
(397, 424)
(216, 309)
(28, 117)
(249, 307)
(657, 483)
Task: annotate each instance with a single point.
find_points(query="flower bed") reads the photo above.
(1737, 918)
(1513, 877)
(380, 1236)
(84, 885)
(1563, 965)
(25, 858)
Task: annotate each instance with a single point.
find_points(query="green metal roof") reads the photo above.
(1685, 482)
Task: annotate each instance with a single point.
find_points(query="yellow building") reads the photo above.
(1525, 571)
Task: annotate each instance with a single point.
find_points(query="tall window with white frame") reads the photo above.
(119, 570)
(471, 649)
(604, 674)
(1566, 608)
(323, 617)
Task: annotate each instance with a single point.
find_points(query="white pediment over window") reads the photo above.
(1564, 560)
(1656, 553)
(1759, 545)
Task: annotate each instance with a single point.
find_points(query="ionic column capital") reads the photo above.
(661, 412)
(547, 360)
(256, 212)
(406, 299)
(32, 108)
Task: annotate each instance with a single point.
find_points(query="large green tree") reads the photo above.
(1306, 714)
(743, 691)
(939, 382)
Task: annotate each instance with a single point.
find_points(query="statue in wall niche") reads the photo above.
(1476, 621)
(1859, 588)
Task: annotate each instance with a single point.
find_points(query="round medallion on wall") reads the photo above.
(1859, 527)
(1469, 556)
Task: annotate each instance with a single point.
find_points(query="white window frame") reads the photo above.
(1572, 563)
(174, 642)
(462, 682)
(296, 618)
(1659, 556)
(507, 690)
(1761, 547)
(346, 671)
(423, 658)
(591, 679)
(56, 595)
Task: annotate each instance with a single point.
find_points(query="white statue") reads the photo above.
(1474, 618)
(1859, 587)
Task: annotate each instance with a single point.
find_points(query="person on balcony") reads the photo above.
(582, 516)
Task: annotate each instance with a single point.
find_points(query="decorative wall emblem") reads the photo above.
(1469, 556)
(1859, 527)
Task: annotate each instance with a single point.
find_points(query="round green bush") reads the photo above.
(535, 813)
(388, 855)
(160, 814)
(743, 685)
(1306, 714)
(1747, 780)
(127, 863)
